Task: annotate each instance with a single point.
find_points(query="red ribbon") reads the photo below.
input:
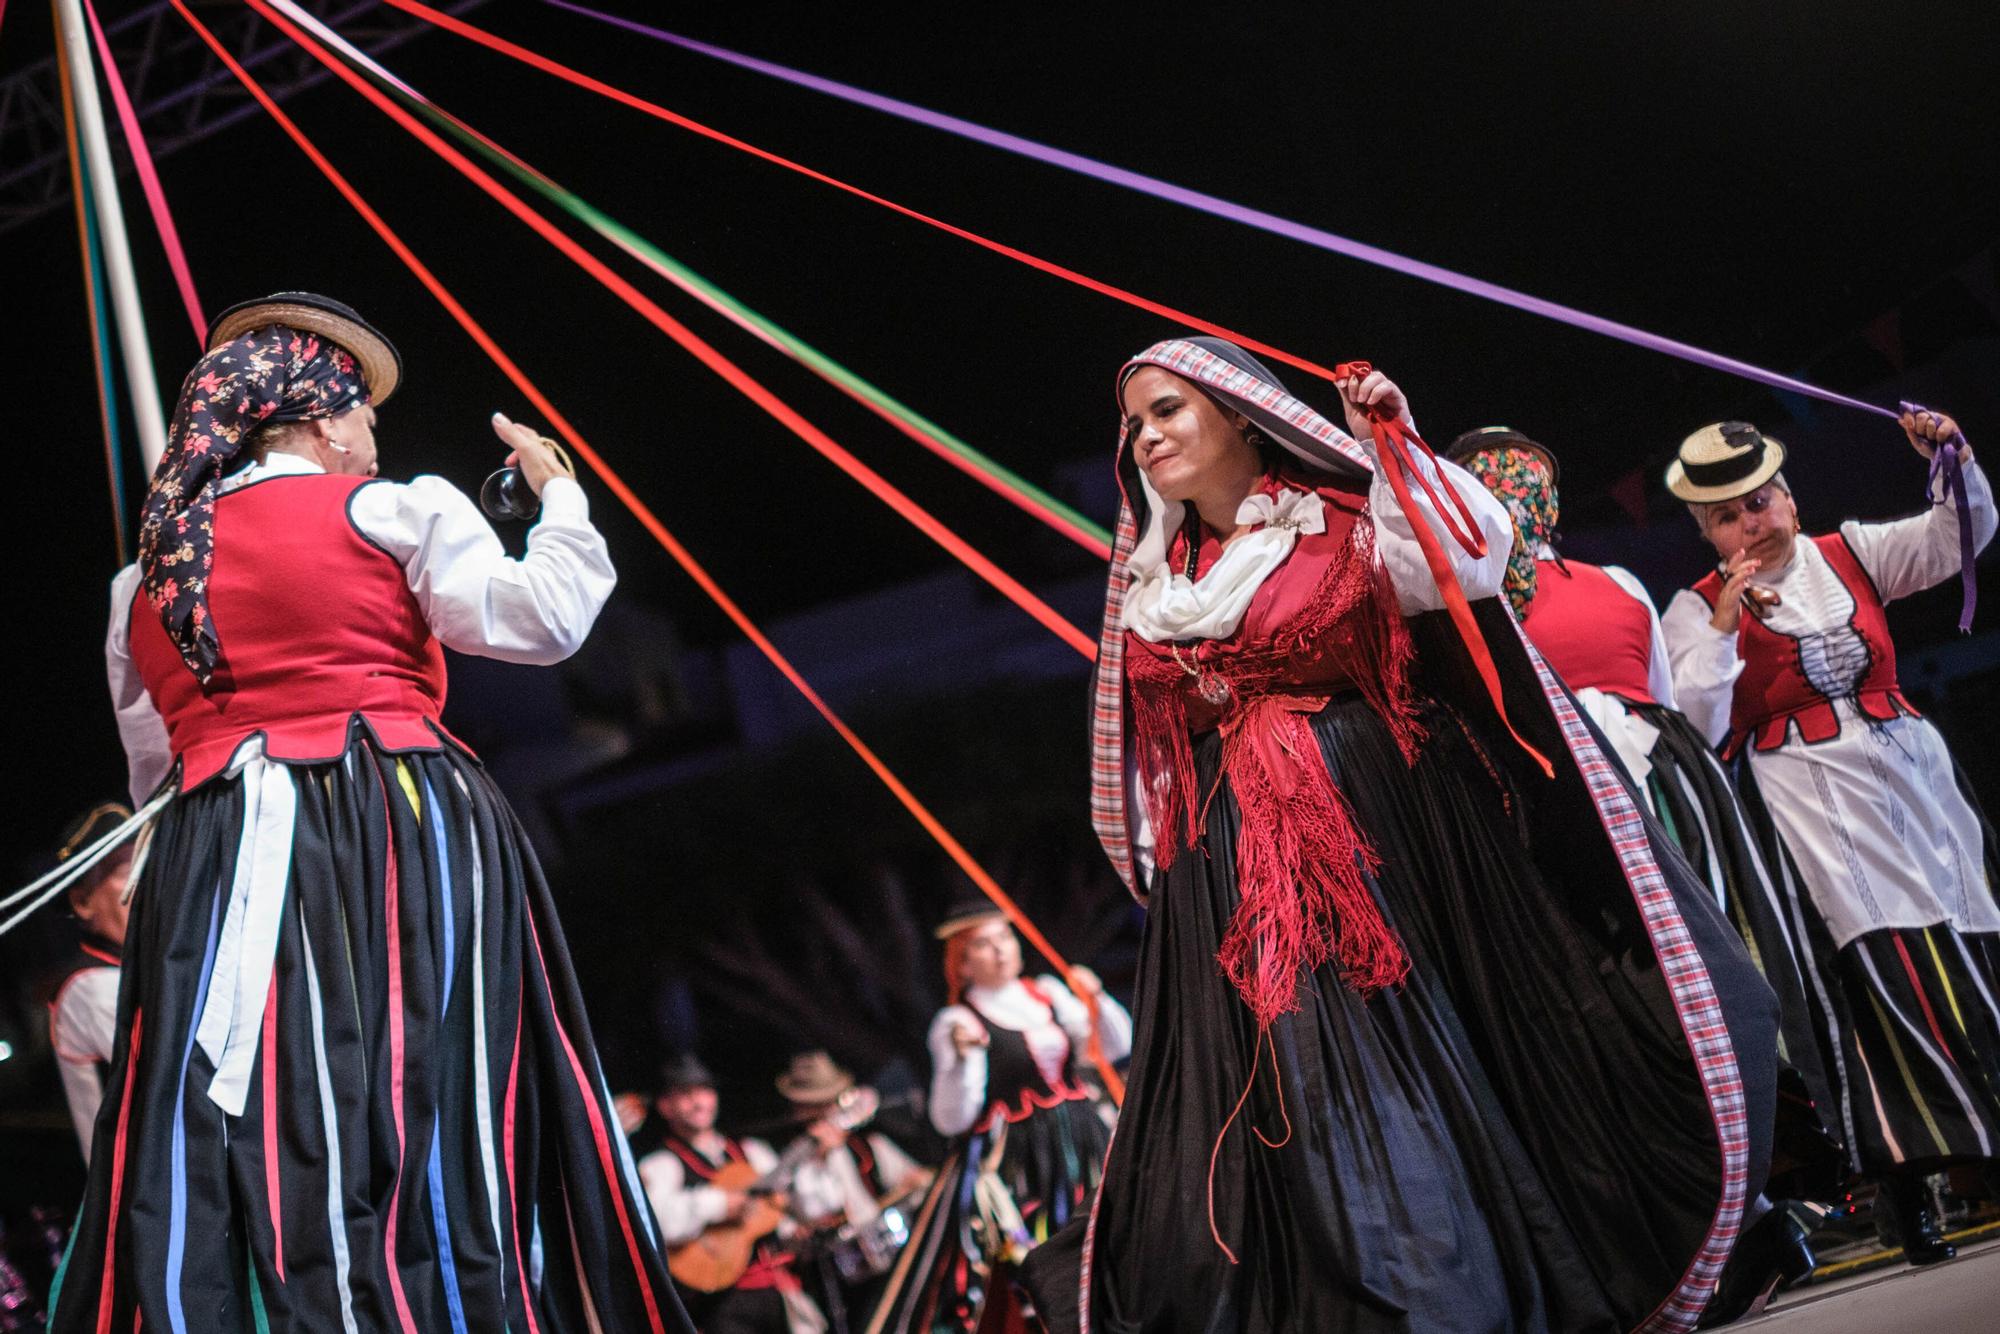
(1397, 448)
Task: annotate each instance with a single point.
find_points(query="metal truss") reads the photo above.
(181, 92)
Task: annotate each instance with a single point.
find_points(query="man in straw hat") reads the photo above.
(1782, 655)
(849, 1178)
(348, 1004)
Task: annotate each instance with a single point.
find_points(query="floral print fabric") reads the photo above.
(1522, 481)
(273, 374)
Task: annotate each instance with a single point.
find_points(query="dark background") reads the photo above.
(1811, 187)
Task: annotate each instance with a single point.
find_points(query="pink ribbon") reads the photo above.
(149, 179)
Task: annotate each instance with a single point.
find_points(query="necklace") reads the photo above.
(1211, 687)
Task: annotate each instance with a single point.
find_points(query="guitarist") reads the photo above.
(769, 1298)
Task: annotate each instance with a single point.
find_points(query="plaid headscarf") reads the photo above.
(273, 374)
(1522, 480)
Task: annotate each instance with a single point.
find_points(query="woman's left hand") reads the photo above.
(1927, 430)
(1374, 391)
(1086, 982)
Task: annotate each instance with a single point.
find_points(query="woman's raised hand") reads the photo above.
(1927, 430)
(1376, 391)
(532, 454)
(1736, 574)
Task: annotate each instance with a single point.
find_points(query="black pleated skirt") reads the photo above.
(1515, 1139)
(1049, 1163)
(1732, 845)
(426, 1143)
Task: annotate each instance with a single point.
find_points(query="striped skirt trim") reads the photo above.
(1923, 1039)
(424, 1141)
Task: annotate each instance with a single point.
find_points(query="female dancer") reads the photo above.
(1427, 1036)
(1028, 1137)
(1890, 845)
(354, 1087)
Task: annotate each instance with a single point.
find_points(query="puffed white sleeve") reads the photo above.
(83, 1026)
(1659, 669)
(1705, 664)
(1114, 1024)
(683, 1211)
(475, 597)
(1396, 537)
(148, 754)
(958, 1079)
(1906, 556)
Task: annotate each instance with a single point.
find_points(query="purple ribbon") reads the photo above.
(1223, 208)
(1945, 461)
(1946, 464)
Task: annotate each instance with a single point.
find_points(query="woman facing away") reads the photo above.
(1426, 1037)
(1596, 628)
(1782, 655)
(354, 1087)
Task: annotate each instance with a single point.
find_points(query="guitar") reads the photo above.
(718, 1258)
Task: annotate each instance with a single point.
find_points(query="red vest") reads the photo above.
(1774, 690)
(1594, 633)
(318, 627)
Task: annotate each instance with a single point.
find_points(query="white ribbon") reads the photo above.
(247, 949)
(1631, 736)
(1163, 605)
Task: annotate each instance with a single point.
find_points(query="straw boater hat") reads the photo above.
(813, 1078)
(381, 365)
(1501, 437)
(1722, 461)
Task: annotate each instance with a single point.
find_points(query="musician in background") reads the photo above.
(845, 1185)
(768, 1299)
(83, 997)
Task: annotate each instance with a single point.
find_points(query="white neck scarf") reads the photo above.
(1162, 605)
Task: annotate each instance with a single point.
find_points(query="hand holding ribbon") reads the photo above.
(1397, 447)
(1938, 439)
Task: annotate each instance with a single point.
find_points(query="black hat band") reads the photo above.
(1724, 471)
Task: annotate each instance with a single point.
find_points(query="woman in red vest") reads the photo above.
(354, 1086)
(1782, 656)
(1426, 1035)
(1595, 625)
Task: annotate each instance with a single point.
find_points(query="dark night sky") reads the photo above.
(1757, 179)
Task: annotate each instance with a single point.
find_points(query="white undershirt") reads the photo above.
(476, 598)
(83, 1025)
(1052, 1031)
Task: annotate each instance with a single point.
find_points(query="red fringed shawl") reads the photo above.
(1323, 623)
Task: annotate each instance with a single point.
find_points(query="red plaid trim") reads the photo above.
(1107, 718)
(1694, 997)
(1695, 1003)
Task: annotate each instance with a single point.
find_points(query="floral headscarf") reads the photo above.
(273, 374)
(1522, 480)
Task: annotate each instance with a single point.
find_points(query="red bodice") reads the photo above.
(1594, 633)
(1323, 622)
(318, 627)
(1776, 687)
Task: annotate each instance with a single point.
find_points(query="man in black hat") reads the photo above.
(681, 1184)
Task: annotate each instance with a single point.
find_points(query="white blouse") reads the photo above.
(1901, 557)
(475, 597)
(1052, 1031)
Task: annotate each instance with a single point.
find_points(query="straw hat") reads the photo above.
(812, 1078)
(1722, 461)
(381, 364)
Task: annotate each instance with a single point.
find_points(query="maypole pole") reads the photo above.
(138, 357)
